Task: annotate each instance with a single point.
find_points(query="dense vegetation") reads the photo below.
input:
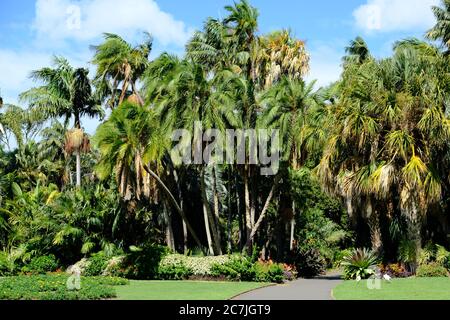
(364, 162)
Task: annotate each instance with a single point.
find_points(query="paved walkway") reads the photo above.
(303, 289)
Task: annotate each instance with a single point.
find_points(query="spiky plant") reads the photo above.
(360, 264)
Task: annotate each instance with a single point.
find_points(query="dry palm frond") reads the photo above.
(134, 99)
(74, 140)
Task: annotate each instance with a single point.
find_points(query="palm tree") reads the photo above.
(441, 31)
(357, 51)
(132, 147)
(185, 95)
(119, 66)
(66, 93)
(288, 103)
(385, 122)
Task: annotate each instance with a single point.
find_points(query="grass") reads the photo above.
(54, 287)
(183, 290)
(398, 289)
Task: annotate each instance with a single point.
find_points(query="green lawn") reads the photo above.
(183, 290)
(398, 289)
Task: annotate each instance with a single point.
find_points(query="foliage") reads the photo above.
(41, 265)
(237, 269)
(143, 263)
(7, 265)
(309, 263)
(407, 251)
(432, 269)
(319, 233)
(361, 263)
(96, 265)
(54, 287)
(174, 272)
(395, 270)
(269, 272)
(199, 266)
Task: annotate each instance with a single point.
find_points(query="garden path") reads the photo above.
(302, 289)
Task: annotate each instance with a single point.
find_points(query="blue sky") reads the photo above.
(31, 31)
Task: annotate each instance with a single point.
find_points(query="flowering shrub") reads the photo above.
(432, 269)
(395, 271)
(200, 266)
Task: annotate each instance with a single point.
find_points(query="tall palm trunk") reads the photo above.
(208, 231)
(216, 204)
(175, 204)
(263, 214)
(78, 168)
(170, 240)
(374, 226)
(291, 240)
(209, 214)
(248, 219)
(414, 226)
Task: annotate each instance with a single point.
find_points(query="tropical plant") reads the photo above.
(360, 264)
(67, 93)
(119, 67)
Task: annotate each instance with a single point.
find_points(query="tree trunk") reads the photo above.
(239, 214)
(177, 207)
(206, 206)
(208, 231)
(185, 238)
(414, 225)
(229, 218)
(170, 240)
(216, 205)
(248, 220)
(291, 243)
(375, 228)
(136, 92)
(263, 213)
(124, 91)
(78, 169)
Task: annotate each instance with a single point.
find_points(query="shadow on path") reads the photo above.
(302, 289)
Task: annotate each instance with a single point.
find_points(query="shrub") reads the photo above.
(319, 233)
(269, 272)
(41, 265)
(361, 263)
(143, 263)
(395, 271)
(237, 269)
(443, 256)
(7, 265)
(174, 272)
(200, 266)
(432, 269)
(309, 263)
(96, 265)
(407, 252)
(54, 287)
(339, 257)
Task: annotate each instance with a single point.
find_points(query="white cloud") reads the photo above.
(16, 68)
(325, 64)
(83, 20)
(395, 15)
